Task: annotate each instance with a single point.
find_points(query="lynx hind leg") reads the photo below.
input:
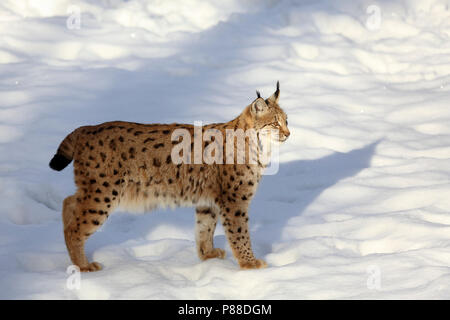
(206, 220)
(81, 219)
(68, 210)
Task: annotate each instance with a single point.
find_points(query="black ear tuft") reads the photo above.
(277, 93)
(258, 94)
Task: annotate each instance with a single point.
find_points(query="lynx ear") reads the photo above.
(274, 97)
(259, 107)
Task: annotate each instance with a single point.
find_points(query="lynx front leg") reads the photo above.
(206, 220)
(234, 218)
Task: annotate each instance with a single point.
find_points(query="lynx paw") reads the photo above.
(255, 264)
(91, 267)
(214, 253)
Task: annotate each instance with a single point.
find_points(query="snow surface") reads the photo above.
(360, 206)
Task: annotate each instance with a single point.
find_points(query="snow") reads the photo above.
(360, 205)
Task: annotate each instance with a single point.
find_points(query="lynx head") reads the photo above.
(267, 115)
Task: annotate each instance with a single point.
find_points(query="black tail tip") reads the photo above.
(59, 162)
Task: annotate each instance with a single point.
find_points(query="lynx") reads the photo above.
(130, 165)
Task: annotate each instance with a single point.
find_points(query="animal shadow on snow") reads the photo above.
(297, 184)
